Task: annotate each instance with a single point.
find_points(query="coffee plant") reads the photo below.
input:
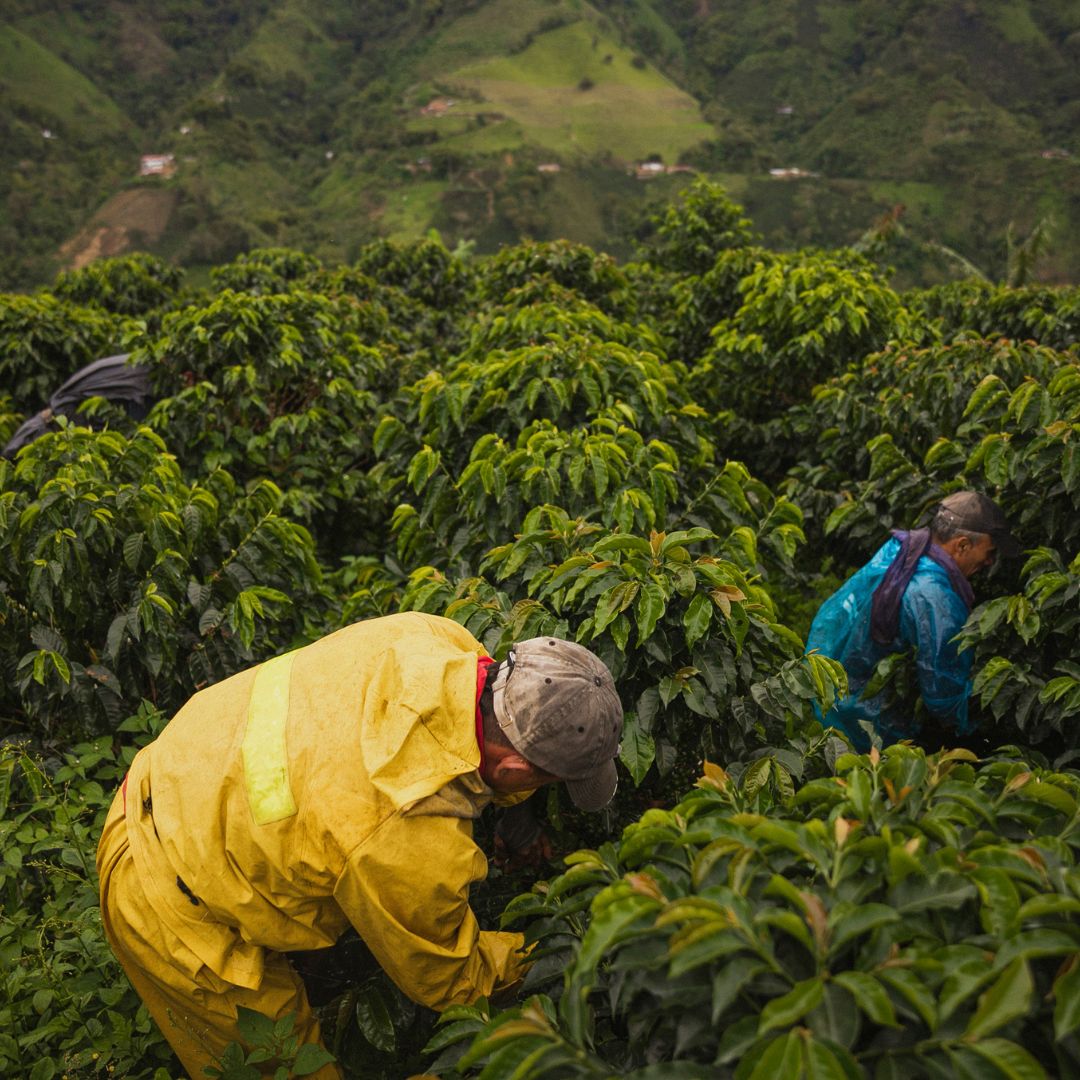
(800, 319)
(672, 461)
(911, 915)
(65, 1005)
(121, 582)
(688, 237)
(44, 340)
(133, 285)
(1050, 316)
(912, 395)
(271, 387)
(594, 277)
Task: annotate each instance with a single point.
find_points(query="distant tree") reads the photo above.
(688, 237)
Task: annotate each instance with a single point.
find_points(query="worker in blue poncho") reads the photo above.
(914, 595)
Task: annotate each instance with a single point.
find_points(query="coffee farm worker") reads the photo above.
(337, 785)
(915, 593)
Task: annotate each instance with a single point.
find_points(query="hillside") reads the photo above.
(326, 127)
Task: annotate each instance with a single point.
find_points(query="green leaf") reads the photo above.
(696, 619)
(651, 605)
(781, 1058)
(255, 1029)
(914, 991)
(869, 996)
(729, 981)
(1050, 795)
(861, 920)
(941, 890)
(859, 792)
(44, 1069)
(1008, 998)
(614, 600)
(133, 546)
(821, 1062)
(682, 537)
(373, 1019)
(834, 1019)
(61, 665)
(637, 749)
(1067, 1003)
(839, 515)
(756, 775)
(1032, 944)
(792, 1006)
(422, 466)
(1013, 1061)
(42, 999)
(622, 542)
(310, 1058)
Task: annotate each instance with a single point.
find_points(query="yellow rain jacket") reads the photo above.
(336, 784)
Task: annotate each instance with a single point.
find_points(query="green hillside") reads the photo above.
(577, 93)
(327, 126)
(31, 77)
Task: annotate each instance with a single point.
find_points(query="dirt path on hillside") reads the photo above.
(130, 219)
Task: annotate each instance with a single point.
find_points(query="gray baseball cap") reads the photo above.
(556, 703)
(979, 513)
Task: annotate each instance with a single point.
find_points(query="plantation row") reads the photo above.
(672, 461)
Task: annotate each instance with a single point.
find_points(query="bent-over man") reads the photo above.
(337, 785)
(914, 594)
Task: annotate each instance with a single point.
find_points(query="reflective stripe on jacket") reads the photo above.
(335, 784)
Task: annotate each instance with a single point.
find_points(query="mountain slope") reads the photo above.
(322, 126)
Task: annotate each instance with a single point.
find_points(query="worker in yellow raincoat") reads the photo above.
(337, 785)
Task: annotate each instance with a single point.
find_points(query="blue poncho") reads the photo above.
(931, 615)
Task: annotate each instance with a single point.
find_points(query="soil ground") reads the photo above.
(130, 219)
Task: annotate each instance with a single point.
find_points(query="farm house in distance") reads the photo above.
(157, 165)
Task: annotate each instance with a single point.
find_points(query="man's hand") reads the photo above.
(519, 840)
(533, 854)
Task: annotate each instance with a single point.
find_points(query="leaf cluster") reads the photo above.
(65, 1006)
(133, 285)
(911, 915)
(120, 581)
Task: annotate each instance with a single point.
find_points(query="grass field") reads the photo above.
(492, 30)
(289, 41)
(409, 209)
(492, 138)
(37, 79)
(1016, 25)
(577, 93)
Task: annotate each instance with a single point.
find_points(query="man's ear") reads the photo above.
(507, 771)
(509, 766)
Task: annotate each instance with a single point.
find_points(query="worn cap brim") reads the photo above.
(596, 791)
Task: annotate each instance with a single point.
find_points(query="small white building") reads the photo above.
(791, 174)
(157, 165)
(646, 170)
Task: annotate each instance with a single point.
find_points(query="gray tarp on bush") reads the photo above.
(110, 377)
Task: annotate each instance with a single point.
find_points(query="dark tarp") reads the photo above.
(111, 378)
